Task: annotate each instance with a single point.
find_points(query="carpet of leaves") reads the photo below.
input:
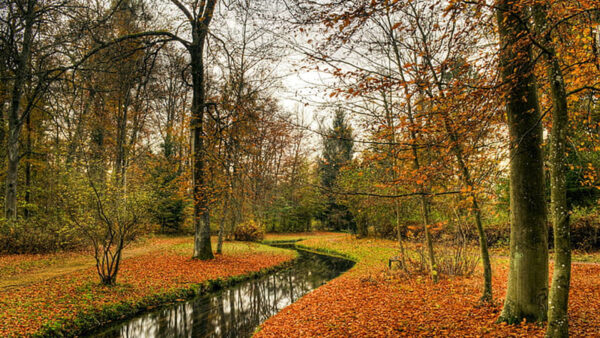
(11, 265)
(371, 301)
(23, 310)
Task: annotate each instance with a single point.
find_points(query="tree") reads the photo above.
(113, 224)
(23, 19)
(198, 16)
(527, 290)
(338, 149)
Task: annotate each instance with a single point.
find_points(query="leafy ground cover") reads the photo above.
(295, 236)
(22, 269)
(144, 279)
(370, 300)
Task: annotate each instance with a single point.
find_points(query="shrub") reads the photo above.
(249, 232)
(585, 232)
(38, 234)
(457, 260)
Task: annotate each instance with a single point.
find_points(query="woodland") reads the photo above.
(154, 151)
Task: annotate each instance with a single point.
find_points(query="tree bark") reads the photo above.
(202, 244)
(15, 120)
(527, 291)
(558, 320)
(2, 131)
(226, 204)
(26, 209)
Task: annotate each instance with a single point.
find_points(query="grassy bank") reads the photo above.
(372, 301)
(70, 303)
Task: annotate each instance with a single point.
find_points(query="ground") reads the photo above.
(370, 300)
(42, 291)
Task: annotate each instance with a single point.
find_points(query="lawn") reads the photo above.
(370, 300)
(156, 271)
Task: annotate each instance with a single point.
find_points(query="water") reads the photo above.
(235, 311)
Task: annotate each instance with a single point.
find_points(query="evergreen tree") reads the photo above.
(338, 148)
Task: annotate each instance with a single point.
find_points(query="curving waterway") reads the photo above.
(236, 311)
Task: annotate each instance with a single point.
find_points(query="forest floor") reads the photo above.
(43, 291)
(371, 300)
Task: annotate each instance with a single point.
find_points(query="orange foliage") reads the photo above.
(25, 309)
(369, 301)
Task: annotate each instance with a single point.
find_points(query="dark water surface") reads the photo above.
(235, 311)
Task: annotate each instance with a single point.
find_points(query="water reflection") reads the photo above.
(236, 311)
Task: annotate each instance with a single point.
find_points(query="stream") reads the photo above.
(236, 311)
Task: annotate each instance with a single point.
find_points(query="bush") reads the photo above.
(38, 235)
(457, 260)
(249, 232)
(585, 233)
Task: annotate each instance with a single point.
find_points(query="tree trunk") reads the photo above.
(417, 166)
(202, 244)
(527, 291)
(226, 203)
(558, 320)
(428, 241)
(26, 210)
(10, 201)
(485, 255)
(469, 184)
(15, 120)
(2, 130)
(558, 325)
(399, 234)
(424, 200)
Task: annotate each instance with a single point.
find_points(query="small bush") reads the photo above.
(497, 234)
(585, 233)
(457, 260)
(452, 259)
(249, 232)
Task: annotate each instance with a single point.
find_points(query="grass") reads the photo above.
(69, 303)
(19, 270)
(370, 300)
(271, 238)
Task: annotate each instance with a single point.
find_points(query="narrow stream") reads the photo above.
(235, 311)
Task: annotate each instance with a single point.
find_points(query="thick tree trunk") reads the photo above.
(558, 320)
(527, 291)
(202, 244)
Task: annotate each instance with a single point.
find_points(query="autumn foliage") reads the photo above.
(371, 301)
(27, 309)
